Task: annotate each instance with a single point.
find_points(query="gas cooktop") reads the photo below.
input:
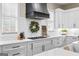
(36, 37)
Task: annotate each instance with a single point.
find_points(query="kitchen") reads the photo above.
(39, 29)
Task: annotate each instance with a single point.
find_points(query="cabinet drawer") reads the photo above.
(13, 46)
(36, 44)
(47, 41)
(16, 52)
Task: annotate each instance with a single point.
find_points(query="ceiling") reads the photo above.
(63, 3)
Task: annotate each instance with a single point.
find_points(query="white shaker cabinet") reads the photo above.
(29, 49)
(0, 17)
(58, 18)
(76, 18)
(16, 49)
(37, 46)
(10, 9)
(70, 18)
(50, 21)
(57, 42)
(16, 52)
(47, 44)
(70, 39)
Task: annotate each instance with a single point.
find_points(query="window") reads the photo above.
(9, 24)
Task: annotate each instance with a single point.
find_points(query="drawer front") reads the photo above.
(36, 44)
(16, 52)
(13, 46)
(47, 42)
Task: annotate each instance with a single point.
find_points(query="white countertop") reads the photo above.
(6, 41)
(57, 52)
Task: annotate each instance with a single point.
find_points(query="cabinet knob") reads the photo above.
(74, 25)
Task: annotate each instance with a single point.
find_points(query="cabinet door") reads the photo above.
(29, 49)
(69, 40)
(76, 16)
(68, 20)
(0, 17)
(47, 44)
(74, 39)
(10, 9)
(58, 18)
(50, 21)
(37, 47)
(57, 42)
(71, 17)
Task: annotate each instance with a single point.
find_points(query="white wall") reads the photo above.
(25, 22)
(24, 27)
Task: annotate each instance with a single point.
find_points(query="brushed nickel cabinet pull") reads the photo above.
(16, 54)
(16, 47)
(43, 48)
(31, 46)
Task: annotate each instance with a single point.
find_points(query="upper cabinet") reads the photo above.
(0, 17)
(67, 18)
(71, 17)
(10, 9)
(58, 20)
(50, 21)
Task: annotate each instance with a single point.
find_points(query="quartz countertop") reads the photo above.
(6, 41)
(57, 52)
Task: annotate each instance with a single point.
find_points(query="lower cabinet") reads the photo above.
(29, 49)
(17, 49)
(70, 39)
(37, 47)
(57, 42)
(16, 52)
(47, 44)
